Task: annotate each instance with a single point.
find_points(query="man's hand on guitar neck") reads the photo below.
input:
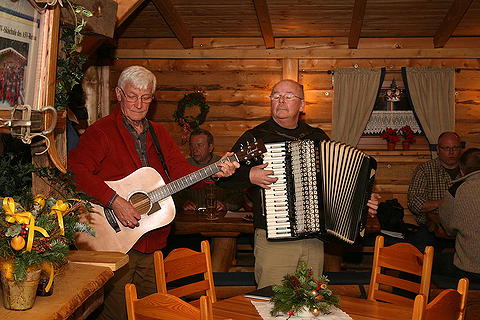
(125, 212)
(227, 168)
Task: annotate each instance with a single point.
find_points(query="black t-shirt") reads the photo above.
(269, 132)
(453, 173)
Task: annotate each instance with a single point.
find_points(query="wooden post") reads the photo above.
(104, 91)
(46, 96)
(290, 69)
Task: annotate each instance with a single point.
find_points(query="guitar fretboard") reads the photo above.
(187, 181)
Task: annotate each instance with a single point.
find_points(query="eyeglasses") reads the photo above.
(146, 98)
(286, 96)
(454, 148)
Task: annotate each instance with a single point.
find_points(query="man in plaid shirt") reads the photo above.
(427, 188)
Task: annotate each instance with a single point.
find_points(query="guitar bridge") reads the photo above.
(155, 207)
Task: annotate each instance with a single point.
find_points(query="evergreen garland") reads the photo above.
(70, 64)
(16, 178)
(69, 68)
(301, 291)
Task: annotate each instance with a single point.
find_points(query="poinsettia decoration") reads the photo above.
(407, 134)
(391, 135)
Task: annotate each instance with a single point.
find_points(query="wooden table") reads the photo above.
(223, 232)
(112, 260)
(240, 308)
(78, 288)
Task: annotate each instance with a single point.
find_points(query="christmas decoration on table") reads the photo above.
(393, 93)
(188, 123)
(300, 292)
(36, 231)
(391, 135)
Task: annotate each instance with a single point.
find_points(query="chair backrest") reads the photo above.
(163, 306)
(448, 305)
(181, 263)
(401, 257)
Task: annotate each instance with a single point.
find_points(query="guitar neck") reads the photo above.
(187, 181)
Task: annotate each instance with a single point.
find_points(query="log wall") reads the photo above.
(237, 91)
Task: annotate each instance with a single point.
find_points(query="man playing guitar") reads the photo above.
(113, 148)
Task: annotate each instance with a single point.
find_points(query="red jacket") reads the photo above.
(106, 151)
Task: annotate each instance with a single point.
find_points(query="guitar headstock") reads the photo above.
(252, 150)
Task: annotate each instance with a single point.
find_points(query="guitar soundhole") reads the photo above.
(141, 202)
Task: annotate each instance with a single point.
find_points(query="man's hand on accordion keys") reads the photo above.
(372, 204)
(261, 177)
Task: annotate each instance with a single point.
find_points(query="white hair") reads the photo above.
(137, 76)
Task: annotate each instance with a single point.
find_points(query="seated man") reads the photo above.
(427, 188)
(201, 154)
(459, 214)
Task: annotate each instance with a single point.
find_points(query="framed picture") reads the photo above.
(20, 36)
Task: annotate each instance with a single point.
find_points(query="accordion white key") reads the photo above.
(321, 191)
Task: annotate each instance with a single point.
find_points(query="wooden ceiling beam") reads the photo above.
(125, 9)
(263, 16)
(376, 53)
(357, 22)
(175, 22)
(450, 22)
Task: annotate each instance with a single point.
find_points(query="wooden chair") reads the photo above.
(181, 263)
(448, 305)
(162, 306)
(401, 257)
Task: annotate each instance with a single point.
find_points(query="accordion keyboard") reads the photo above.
(276, 202)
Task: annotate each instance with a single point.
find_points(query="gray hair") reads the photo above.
(293, 82)
(137, 76)
(199, 131)
(470, 160)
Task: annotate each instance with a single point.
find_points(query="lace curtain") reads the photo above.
(379, 120)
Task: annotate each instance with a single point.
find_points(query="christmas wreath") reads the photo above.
(190, 100)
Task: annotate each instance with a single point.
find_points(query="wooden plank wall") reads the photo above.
(237, 91)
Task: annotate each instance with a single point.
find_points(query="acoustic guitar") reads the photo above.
(151, 197)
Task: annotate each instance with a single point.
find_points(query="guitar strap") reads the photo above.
(159, 151)
(111, 218)
(109, 214)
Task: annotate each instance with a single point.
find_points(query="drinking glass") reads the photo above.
(211, 203)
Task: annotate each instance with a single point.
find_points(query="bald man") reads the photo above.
(275, 259)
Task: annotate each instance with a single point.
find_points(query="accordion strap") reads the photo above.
(289, 137)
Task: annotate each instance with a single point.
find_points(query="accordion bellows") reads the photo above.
(321, 191)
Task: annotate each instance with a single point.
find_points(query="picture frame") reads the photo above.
(22, 30)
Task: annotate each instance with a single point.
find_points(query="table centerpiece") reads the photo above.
(35, 232)
(301, 293)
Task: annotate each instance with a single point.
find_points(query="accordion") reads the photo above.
(321, 191)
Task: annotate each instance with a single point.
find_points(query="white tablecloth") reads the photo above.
(264, 309)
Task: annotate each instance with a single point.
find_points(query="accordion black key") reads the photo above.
(321, 191)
